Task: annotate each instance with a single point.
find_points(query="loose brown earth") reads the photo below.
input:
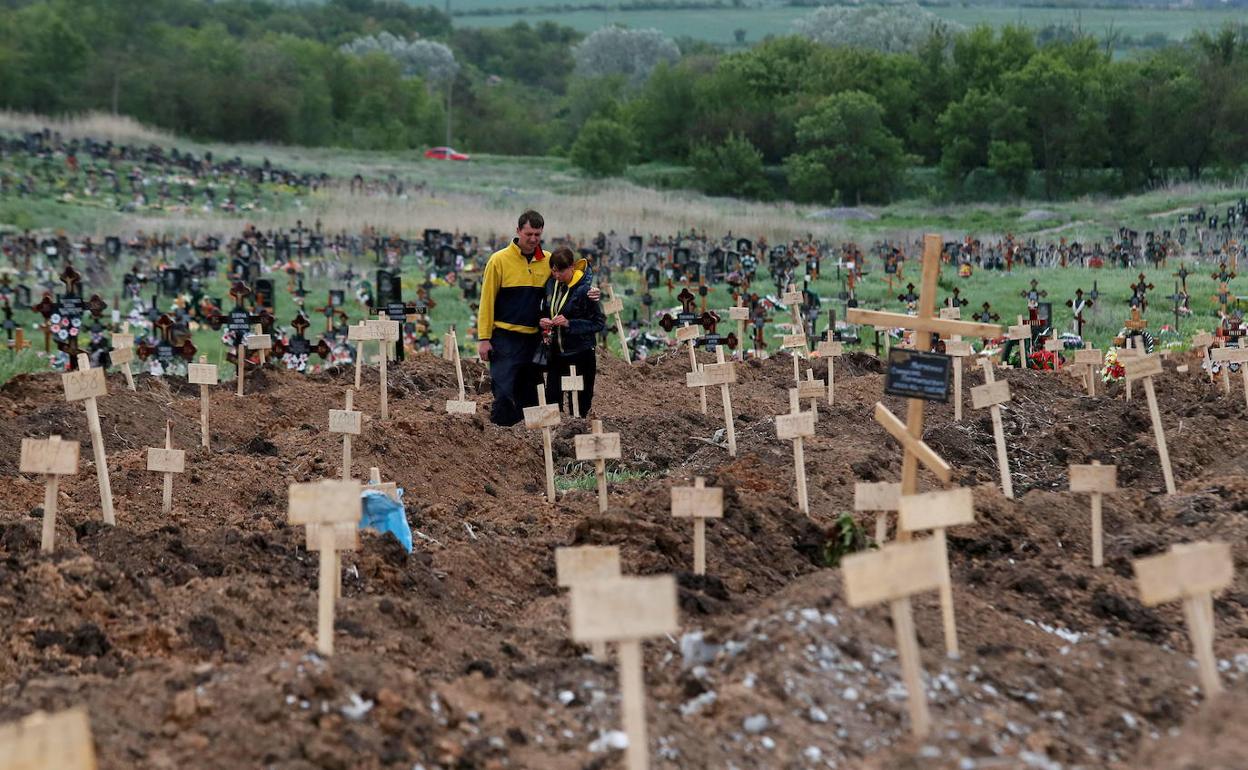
(189, 637)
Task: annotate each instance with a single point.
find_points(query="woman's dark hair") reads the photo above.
(562, 258)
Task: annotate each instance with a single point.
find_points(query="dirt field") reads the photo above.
(189, 637)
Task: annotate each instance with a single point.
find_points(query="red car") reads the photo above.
(444, 153)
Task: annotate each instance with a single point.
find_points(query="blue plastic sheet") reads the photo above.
(383, 514)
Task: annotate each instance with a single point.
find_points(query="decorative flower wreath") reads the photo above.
(1113, 371)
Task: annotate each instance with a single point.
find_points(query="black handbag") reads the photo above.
(541, 356)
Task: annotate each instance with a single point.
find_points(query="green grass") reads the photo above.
(25, 362)
(581, 476)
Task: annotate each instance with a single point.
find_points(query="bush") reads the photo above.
(734, 168)
(603, 148)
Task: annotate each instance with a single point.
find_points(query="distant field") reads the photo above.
(717, 25)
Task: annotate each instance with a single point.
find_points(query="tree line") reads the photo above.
(814, 116)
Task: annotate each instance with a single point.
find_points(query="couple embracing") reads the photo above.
(538, 311)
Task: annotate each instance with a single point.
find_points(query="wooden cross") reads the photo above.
(1222, 298)
(326, 503)
(699, 503)
(167, 461)
(959, 349)
(1178, 298)
(740, 314)
(1139, 293)
(1145, 368)
(1182, 276)
(893, 574)
(544, 416)
(462, 405)
(1033, 295)
(924, 325)
(1192, 572)
(615, 306)
(795, 426)
(573, 385)
(1223, 275)
(204, 375)
(1020, 333)
(625, 611)
(599, 447)
(42, 741)
(386, 331)
(1091, 358)
(991, 395)
(122, 354)
(583, 564)
(51, 458)
(1136, 322)
(882, 498)
(985, 315)
(261, 342)
(937, 511)
(1078, 305)
(346, 421)
(831, 350)
(1097, 480)
(86, 385)
(722, 373)
(812, 389)
(19, 341)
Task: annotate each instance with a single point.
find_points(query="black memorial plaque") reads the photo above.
(914, 374)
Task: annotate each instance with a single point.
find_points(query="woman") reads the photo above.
(570, 323)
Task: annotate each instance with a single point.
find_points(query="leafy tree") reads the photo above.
(846, 152)
(734, 167)
(633, 53)
(604, 147)
(423, 58)
(1012, 163)
(892, 28)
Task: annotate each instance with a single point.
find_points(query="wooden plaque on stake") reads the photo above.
(1094, 478)
(597, 446)
(121, 356)
(738, 314)
(346, 536)
(201, 374)
(811, 389)
(326, 501)
(545, 416)
(258, 342)
(716, 374)
(959, 348)
(42, 741)
(586, 563)
(1089, 357)
(166, 460)
(49, 457)
(1143, 366)
(343, 421)
(1185, 570)
(791, 426)
(793, 341)
(83, 384)
(610, 306)
(629, 608)
(990, 394)
(936, 510)
(687, 333)
(882, 496)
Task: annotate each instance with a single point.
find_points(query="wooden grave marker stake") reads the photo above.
(1201, 342)
(348, 422)
(573, 385)
(544, 416)
(992, 394)
(722, 373)
(366, 332)
(584, 564)
(625, 611)
(1192, 572)
(51, 458)
(740, 313)
(880, 497)
(614, 306)
(167, 461)
(86, 385)
(938, 511)
(204, 375)
(795, 426)
(1091, 358)
(910, 433)
(812, 389)
(796, 345)
(461, 405)
(259, 342)
(830, 350)
(699, 503)
(326, 503)
(1021, 333)
(959, 349)
(893, 574)
(599, 447)
(448, 348)
(1130, 352)
(1228, 356)
(43, 741)
(1056, 347)
(1145, 368)
(123, 354)
(689, 334)
(386, 332)
(1096, 480)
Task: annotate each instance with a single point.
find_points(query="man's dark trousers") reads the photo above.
(514, 377)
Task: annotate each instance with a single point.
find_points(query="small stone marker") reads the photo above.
(1096, 480)
(204, 375)
(699, 503)
(599, 447)
(795, 426)
(42, 741)
(51, 458)
(992, 394)
(937, 511)
(880, 497)
(167, 461)
(326, 503)
(573, 385)
(812, 389)
(615, 306)
(690, 334)
(1145, 368)
(1092, 359)
(625, 611)
(123, 354)
(1192, 572)
(722, 373)
(893, 574)
(250, 342)
(830, 350)
(584, 564)
(544, 416)
(958, 349)
(86, 385)
(1228, 356)
(387, 332)
(364, 332)
(346, 421)
(462, 405)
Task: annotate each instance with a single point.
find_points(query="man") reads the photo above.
(512, 288)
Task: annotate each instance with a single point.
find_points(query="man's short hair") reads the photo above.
(532, 219)
(562, 258)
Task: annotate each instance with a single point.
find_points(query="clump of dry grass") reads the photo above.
(97, 125)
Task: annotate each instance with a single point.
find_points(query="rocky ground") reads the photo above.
(190, 637)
